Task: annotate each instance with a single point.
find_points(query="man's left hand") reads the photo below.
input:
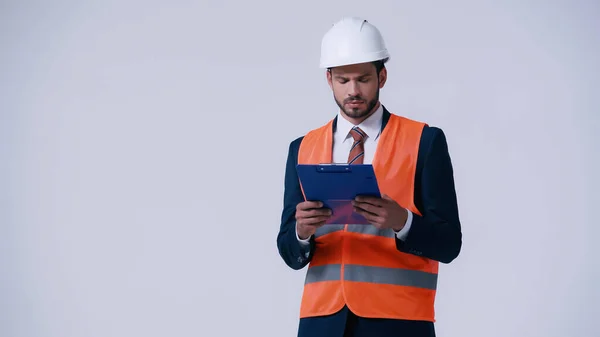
(382, 212)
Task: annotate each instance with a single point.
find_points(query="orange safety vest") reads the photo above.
(359, 265)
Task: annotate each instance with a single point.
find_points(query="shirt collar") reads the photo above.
(371, 126)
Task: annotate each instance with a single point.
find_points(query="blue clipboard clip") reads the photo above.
(336, 186)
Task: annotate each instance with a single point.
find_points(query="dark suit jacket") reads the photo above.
(436, 234)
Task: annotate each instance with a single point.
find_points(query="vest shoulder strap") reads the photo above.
(319, 132)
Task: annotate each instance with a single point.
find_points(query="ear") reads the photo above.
(382, 77)
(329, 78)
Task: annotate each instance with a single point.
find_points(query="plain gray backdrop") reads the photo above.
(143, 148)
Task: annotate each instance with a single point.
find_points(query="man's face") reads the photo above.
(356, 88)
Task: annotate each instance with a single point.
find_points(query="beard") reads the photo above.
(358, 112)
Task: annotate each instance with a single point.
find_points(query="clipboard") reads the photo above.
(336, 186)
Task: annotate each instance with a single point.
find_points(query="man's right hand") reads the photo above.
(310, 215)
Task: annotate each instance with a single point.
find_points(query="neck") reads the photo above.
(358, 120)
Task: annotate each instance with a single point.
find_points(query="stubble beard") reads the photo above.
(357, 112)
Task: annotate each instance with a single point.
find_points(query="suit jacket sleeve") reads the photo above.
(436, 234)
(291, 251)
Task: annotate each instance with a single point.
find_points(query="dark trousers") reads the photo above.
(346, 324)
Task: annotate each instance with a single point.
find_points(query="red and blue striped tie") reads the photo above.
(357, 153)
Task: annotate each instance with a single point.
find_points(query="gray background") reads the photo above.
(130, 205)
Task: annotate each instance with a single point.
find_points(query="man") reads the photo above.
(378, 279)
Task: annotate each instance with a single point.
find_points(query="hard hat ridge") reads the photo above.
(352, 40)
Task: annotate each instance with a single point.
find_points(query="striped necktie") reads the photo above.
(357, 152)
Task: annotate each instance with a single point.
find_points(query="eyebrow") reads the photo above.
(360, 76)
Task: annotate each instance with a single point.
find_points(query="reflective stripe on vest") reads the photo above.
(359, 265)
(381, 275)
(364, 229)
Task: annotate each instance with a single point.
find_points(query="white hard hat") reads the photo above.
(352, 40)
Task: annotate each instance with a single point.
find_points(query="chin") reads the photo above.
(355, 113)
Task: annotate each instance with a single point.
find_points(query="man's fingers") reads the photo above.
(370, 200)
(311, 221)
(373, 214)
(367, 207)
(314, 213)
(306, 205)
(319, 212)
(314, 221)
(372, 218)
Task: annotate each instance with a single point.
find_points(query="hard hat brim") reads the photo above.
(379, 56)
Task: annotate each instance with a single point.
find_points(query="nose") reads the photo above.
(353, 89)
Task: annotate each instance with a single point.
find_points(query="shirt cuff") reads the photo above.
(303, 243)
(403, 233)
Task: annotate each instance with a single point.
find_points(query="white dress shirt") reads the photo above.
(342, 143)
